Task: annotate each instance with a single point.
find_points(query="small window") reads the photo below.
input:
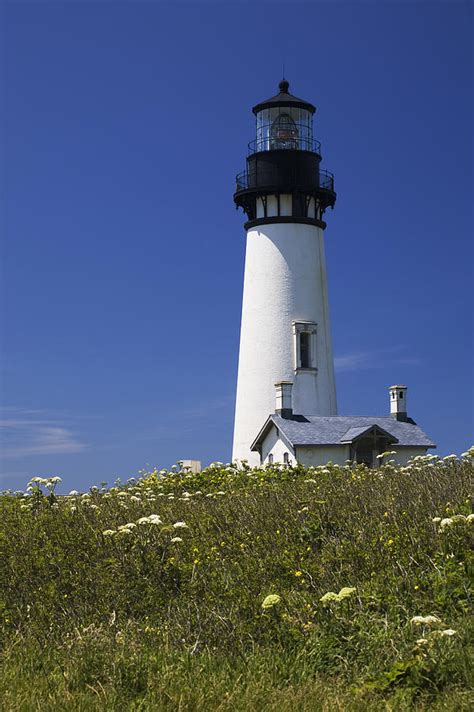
(401, 395)
(305, 350)
(270, 459)
(286, 458)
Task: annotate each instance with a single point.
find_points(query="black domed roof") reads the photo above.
(284, 98)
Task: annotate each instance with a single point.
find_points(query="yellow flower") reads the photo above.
(298, 573)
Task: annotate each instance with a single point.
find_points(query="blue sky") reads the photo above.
(124, 125)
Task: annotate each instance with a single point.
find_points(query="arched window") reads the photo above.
(270, 459)
(283, 133)
(286, 458)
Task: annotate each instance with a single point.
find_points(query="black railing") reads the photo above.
(284, 144)
(246, 181)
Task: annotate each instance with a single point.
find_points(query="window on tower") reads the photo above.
(305, 333)
(305, 351)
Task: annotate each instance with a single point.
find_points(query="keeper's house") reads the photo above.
(318, 439)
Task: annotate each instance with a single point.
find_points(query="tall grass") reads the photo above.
(223, 590)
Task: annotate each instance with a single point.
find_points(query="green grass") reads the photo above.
(139, 620)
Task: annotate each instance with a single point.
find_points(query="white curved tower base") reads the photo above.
(285, 292)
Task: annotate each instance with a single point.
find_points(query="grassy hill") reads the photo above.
(330, 588)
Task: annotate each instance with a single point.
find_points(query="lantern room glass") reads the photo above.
(283, 128)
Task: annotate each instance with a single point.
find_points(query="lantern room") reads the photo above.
(284, 122)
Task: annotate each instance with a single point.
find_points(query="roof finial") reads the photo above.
(284, 86)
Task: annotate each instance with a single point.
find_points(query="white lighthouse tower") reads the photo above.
(285, 331)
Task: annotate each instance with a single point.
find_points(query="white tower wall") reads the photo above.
(285, 282)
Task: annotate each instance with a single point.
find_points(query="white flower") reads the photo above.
(73, 493)
(135, 499)
(329, 596)
(122, 494)
(421, 641)
(448, 632)
(425, 620)
(155, 519)
(73, 509)
(176, 539)
(470, 518)
(435, 520)
(450, 457)
(55, 480)
(446, 522)
(143, 520)
(108, 532)
(180, 525)
(270, 601)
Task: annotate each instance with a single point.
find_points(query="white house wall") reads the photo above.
(314, 456)
(406, 453)
(285, 281)
(274, 445)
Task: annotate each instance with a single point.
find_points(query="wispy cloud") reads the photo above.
(31, 432)
(377, 358)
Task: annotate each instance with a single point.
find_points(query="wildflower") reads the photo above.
(55, 480)
(450, 457)
(122, 494)
(425, 620)
(143, 520)
(270, 601)
(73, 493)
(470, 518)
(176, 539)
(108, 532)
(73, 509)
(298, 573)
(180, 525)
(446, 522)
(329, 596)
(124, 531)
(345, 592)
(422, 641)
(448, 632)
(435, 520)
(135, 499)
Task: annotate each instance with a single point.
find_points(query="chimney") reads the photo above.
(284, 406)
(398, 402)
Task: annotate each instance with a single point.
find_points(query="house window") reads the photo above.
(401, 395)
(270, 459)
(286, 458)
(305, 344)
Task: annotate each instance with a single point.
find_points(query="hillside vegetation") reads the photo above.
(329, 588)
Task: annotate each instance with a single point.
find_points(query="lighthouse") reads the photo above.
(285, 334)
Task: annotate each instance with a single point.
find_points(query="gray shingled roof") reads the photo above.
(337, 429)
